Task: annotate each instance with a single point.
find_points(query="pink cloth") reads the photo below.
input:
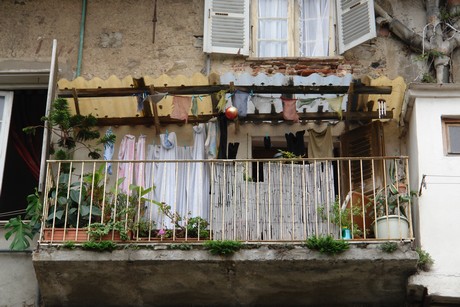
(289, 109)
(181, 107)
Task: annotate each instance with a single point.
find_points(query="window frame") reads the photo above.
(448, 121)
(4, 129)
(293, 38)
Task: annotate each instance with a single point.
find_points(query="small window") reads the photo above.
(451, 131)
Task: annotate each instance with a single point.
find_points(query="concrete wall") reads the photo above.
(438, 205)
(18, 285)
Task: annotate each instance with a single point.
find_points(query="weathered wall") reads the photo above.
(18, 286)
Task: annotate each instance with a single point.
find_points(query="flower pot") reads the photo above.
(391, 227)
(70, 234)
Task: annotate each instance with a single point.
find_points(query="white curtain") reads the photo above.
(273, 28)
(314, 27)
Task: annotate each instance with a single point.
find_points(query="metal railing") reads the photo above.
(248, 200)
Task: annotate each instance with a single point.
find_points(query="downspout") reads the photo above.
(82, 35)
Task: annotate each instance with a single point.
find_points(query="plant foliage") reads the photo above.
(100, 246)
(327, 245)
(425, 260)
(224, 248)
(389, 247)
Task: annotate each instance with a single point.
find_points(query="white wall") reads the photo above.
(438, 206)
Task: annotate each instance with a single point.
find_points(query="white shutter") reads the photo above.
(6, 105)
(52, 84)
(226, 26)
(356, 22)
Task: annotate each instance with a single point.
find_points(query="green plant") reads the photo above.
(288, 154)
(425, 260)
(389, 247)
(343, 217)
(100, 246)
(71, 130)
(24, 231)
(327, 245)
(97, 231)
(69, 245)
(197, 227)
(224, 248)
(183, 246)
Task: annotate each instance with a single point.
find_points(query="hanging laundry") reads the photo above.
(262, 104)
(221, 97)
(320, 143)
(336, 104)
(233, 150)
(156, 98)
(307, 101)
(289, 109)
(296, 143)
(267, 142)
(139, 179)
(222, 153)
(140, 100)
(181, 107)
(195, 105)
(108, 150)
(198, 185)
(240, 101)
(125, 170)
(211, 140)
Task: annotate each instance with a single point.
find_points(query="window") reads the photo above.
(451, 135)
(292, 28)
(6, 104)
(286, 28)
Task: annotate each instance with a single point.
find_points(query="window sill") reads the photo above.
(328, 59)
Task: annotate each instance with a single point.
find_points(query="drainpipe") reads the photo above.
(82, 34)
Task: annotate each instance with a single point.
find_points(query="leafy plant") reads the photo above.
(327, 245)
(69, 245)
(224, 248)
(24, 231)
(389, 247)
(425, 260)
(197, 228)
(71, 130)
(97, 231)
(183, 246)
(100, 246)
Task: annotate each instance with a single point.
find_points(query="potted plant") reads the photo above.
(392, 202)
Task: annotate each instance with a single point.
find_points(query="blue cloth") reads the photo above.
(108, 151)
(240, 101)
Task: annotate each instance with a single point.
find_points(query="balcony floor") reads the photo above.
(266, 275)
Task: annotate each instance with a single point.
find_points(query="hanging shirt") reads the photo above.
(289, 109)
(240, 101)
(320, 144)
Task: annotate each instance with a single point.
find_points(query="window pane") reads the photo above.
(314, 27)
(272, 28)
(454, 139)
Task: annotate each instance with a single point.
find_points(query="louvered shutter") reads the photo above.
(365, 141)
(356, 22)
(226, 27)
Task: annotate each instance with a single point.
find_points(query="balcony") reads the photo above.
(160, 213)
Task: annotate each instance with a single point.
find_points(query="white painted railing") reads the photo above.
(246, 200)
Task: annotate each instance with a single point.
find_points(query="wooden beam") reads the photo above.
(75, 100)
(209, 89)
(131, 121)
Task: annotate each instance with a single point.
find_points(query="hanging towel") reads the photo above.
(336, 104)
(158, 96)
(307, 101)
(240, 101)
(222, 153)
(194, 106)
(262, 104)
(140, 167)
(125, 170)
(211, 140)
(320, 144)
(108, 150)
(289, 110)
(181, 107)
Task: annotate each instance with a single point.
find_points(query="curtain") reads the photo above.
(314, 27)
(273, 28)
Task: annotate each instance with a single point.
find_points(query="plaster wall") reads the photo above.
(18, 285)
(437, 206)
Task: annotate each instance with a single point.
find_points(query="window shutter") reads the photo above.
(365, 141)
(356, 23)
(226, 27)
